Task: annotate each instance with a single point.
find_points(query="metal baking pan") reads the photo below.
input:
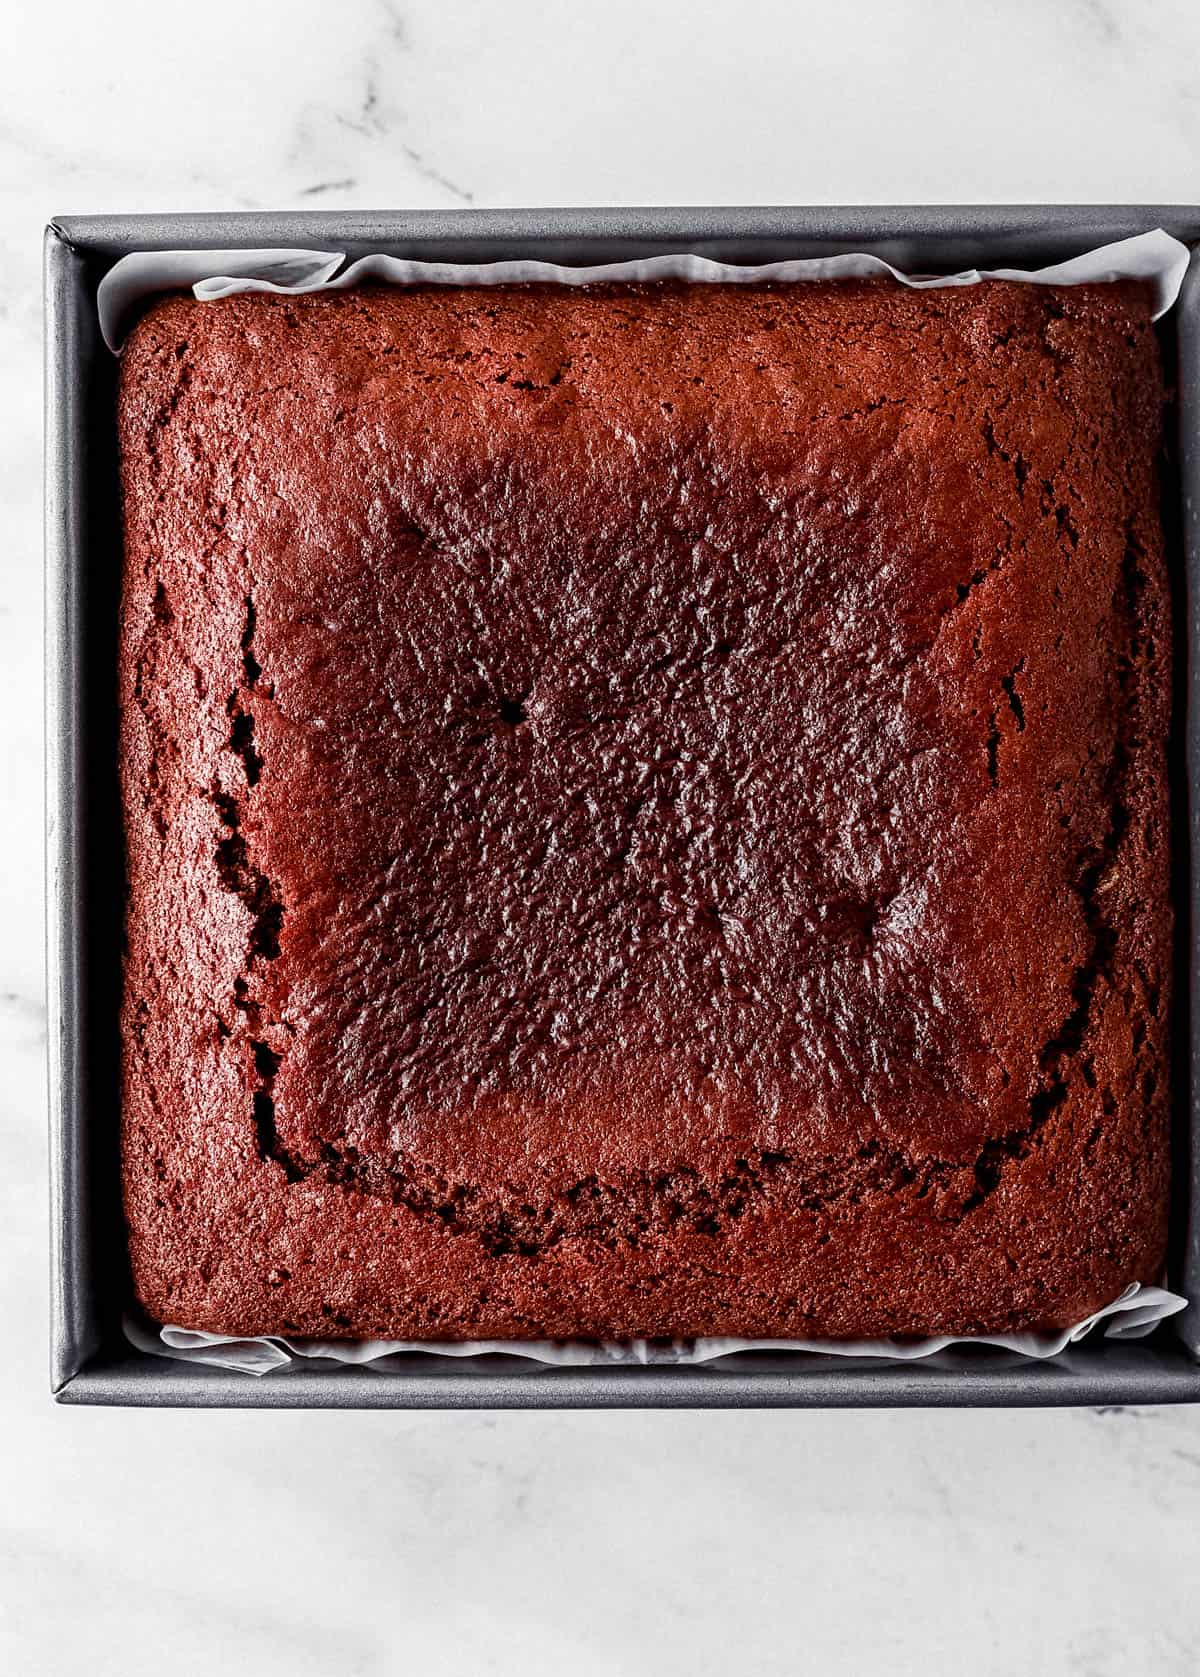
(91, 1361)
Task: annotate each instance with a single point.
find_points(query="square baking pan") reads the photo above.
(92, 1362)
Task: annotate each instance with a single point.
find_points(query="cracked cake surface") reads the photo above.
(646, 810)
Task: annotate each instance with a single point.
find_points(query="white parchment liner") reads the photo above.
(1155, 257)
(1136, 1313)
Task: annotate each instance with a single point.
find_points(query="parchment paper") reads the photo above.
(1155, 257)
(1136, 1313)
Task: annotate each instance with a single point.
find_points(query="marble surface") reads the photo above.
(135, 1542)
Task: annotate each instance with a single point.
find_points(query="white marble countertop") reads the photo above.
(605, 1543)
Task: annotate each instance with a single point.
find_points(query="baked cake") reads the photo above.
(646, 810)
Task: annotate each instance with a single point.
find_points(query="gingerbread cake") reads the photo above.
(646, 810)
